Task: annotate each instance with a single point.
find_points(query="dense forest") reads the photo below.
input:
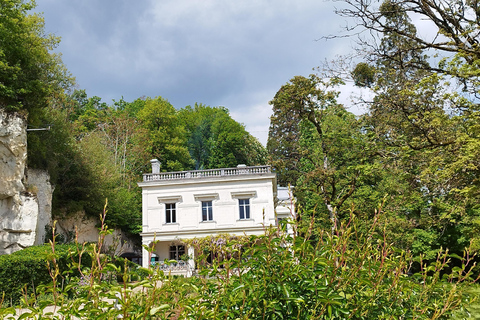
(97, 151)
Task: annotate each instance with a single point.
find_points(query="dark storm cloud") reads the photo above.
(231, 53)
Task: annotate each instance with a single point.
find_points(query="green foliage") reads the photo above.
(167, 136)
(424, 126)
(233, 145)
(217, 141)
(295, 102)
(325, 150)
(283, 143)
(456, 23)
(57, 151)
(91, 158)
(417, 146)
(347, 274)
(23, 271)
(363, 75)
(29, 71)
(96, 151)
(82, 170)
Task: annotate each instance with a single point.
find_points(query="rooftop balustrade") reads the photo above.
(194, 174)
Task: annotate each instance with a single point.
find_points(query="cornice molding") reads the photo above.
(170, 199)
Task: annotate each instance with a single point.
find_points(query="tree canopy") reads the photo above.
(97, 151)
(29, 71)
(216, 140)
(425, 112)
(331, 153)
(416, 149)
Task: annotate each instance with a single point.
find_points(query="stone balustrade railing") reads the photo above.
(206, 173)
(179, 265)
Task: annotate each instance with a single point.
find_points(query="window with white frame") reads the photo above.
(170, 203)
(207, 211)
(170, 213)
(244, 197)
(244, 207)
(206, 200)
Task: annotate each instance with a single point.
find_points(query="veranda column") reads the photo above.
(191, 261)
(145, 255)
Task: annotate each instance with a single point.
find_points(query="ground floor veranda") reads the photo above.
(167, 247)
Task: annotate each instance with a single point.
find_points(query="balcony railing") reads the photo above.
(225, 172)
(179, 265)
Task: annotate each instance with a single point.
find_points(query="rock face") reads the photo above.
(13, 154)
(24, 212)
(18, 222)
(39, 182)
(86, 230)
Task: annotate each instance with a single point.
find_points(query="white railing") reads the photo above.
(205, 173)
(179, 265)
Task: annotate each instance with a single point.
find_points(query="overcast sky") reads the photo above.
(232, 53)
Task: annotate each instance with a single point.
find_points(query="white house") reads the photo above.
(194, 204)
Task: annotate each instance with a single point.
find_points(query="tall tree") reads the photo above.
(426, 125)
(218, 141)
(127, 140)
(167, 135)
(29, 71)
(457, 37)
(283, 143)
(333, 151)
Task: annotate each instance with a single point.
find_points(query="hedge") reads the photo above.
(28, 268)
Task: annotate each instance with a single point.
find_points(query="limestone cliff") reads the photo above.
(24, 212)
(13, 154)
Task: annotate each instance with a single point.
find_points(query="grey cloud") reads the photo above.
(217, 52)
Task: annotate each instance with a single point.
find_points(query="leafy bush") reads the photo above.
(342, 275)
(125, 266)
(345, 274)
(28, 268)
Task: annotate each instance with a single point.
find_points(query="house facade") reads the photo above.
(195, 204)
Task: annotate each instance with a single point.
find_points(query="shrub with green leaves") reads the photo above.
(28, 268)
(342, 275)
(347, 274)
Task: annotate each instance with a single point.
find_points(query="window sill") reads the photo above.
(208, 221)
(170, 223)
(249, 219)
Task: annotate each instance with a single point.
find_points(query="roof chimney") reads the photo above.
(155, 165)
